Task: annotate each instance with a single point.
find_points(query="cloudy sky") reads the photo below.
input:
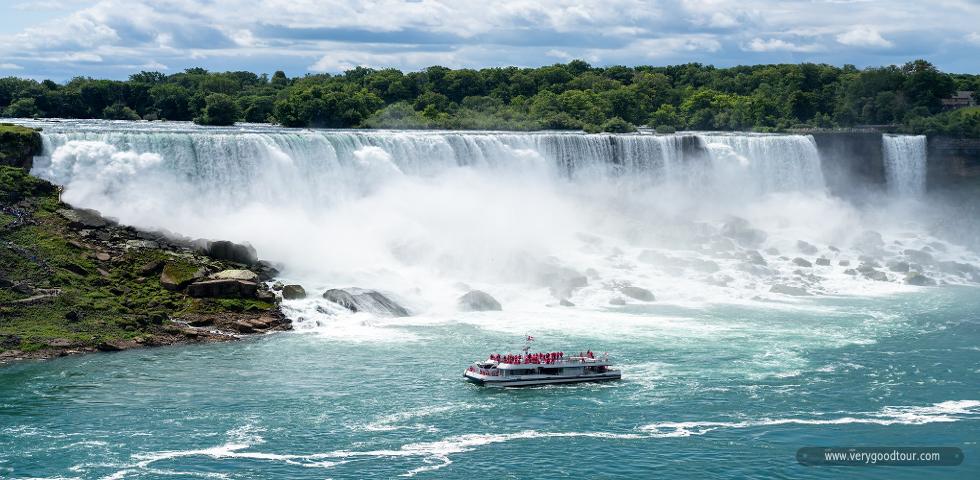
(60, 39)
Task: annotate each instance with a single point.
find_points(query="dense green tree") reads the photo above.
(219, 109)
(22, 108)
(119, 111)
(575, 95)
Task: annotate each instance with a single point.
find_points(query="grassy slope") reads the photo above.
(99, 300)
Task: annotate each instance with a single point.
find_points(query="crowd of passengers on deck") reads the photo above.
(534, 358)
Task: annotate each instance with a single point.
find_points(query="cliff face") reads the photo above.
(855, 161)
(953, 161)
(18, 145)
(851, 159)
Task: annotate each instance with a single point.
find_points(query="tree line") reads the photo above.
(574, 96)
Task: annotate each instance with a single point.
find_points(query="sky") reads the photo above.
(61, 39)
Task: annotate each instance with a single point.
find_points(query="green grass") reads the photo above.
(119, 305)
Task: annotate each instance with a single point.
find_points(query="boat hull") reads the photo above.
(544, 380)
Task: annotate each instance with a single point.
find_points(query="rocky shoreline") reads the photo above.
(73, 281)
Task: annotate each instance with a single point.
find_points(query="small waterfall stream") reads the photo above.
(905, 164)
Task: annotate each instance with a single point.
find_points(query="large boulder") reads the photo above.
(361, 300)
(802, 262)
(293, 292)
(897, 266)
(246, 275)
(869, 241)
(230, 251)
(755, 258)
(84, 218)
(223, 288)
(478, 301)
(806, 248)
(638, 293)
(789, 290)
(918, 279)
(876, 275)
(561, 281)
(176, 276)
(741, 231)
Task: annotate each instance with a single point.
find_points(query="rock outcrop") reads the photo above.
(293, 292)
(478, 301)
(142, 287)
(918, 279)
(362, 300)
(230, 251)
(637, 293)
(177, 275)
(802, 262)
(739, 230)
(789, 290)
(223, 288)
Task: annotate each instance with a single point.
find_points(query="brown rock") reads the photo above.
(173, 277)
(223, 288)
(151, 268)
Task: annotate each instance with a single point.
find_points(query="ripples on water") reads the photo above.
(300, 405)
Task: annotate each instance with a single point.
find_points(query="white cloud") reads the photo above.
(660, 47)
(154, 65)
(328, 35)
(340, 60)
(10, 66)
(863, 36)
(777, 45)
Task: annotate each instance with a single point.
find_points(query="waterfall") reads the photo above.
(425, 215)
(274, 165)
(905, 164)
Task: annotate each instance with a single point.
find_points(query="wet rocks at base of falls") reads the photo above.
(919, 280)
(225, 250)
(806, 248)
(822, 261)
(869, 242)
(561, 281)
(637, 293)
(897, 266)
(292, 292)
(362, 300)
(478, 301)
(739, 230)
(876, 275)
(802, 262)
(789, 290)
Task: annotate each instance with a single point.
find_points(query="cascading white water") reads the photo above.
(427, 215)
(905, 164)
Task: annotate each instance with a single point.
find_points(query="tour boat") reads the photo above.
(531, 369)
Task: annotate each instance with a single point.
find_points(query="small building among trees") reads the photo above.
(960, 99)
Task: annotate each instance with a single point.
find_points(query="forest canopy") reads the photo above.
(573, 96)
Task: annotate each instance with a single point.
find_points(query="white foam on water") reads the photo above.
(438, 454)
